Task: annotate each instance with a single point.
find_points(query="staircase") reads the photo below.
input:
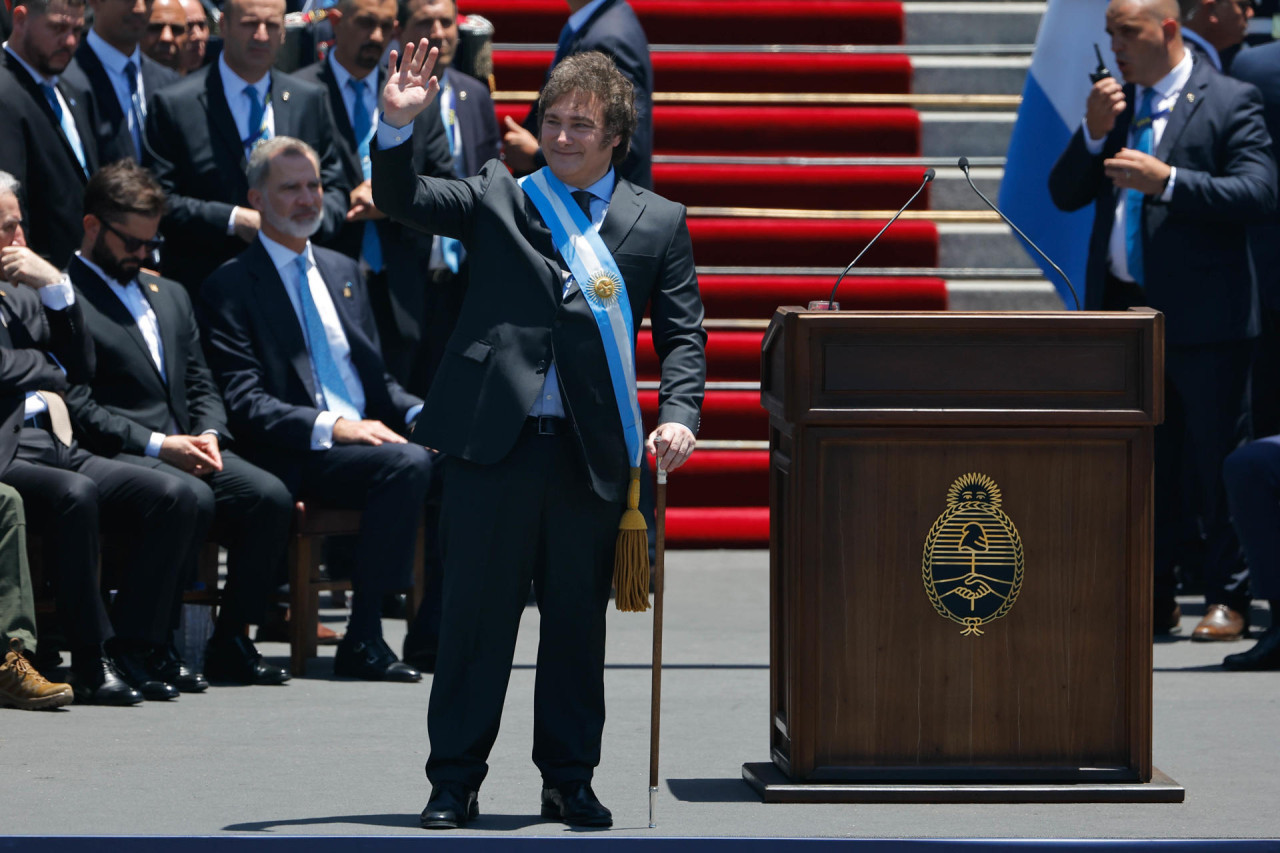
(792, 131)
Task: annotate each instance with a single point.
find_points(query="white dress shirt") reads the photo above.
(56, 297)
(1168, 90)
(233, 87)
(368, 91)
(114, 62)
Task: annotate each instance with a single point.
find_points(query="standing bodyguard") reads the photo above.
(535, 409)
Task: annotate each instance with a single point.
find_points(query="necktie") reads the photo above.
(1142, 136)
(73, 139)
(59, 417)
(583, 198)
(451, 251)
(332, 387)
(362, 125)
(257, 111)
(135, 107)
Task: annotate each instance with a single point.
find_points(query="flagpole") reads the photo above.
(655, 711)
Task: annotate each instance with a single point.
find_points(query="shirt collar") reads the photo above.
(112, 59)
(35, 75)
(102, 275)
(578, 18)
(369, 81)
(603, 188)
(1173, 82)
(233, 83)
(283, 256)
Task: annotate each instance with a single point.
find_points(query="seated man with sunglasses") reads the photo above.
(152, 402)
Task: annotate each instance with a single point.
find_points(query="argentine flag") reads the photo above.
(1052, 108)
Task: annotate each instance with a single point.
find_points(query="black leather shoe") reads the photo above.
(419, 651)
(133, 669)
(1263, 656)
(371, 660)
(575, 804)
(450, 808)
(96, 682)
(238, 660)
(165, 665)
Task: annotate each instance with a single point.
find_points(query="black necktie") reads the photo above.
(583, 198)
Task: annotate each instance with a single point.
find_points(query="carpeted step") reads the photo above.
(775, 131)
(732, 356)
(743, 22)
(726, 415)
(811, 242)
(516, 70)
(807, 187)
(756, 297)
(716, 527)
(724, 478)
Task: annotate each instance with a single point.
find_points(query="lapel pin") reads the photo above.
(346, 290)
(154, 288)
(1191, 97)
(284, 95)
(462, 96)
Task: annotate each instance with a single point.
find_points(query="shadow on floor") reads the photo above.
(712, 791)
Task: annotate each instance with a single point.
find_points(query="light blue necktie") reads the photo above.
(257, 112)
(362, 124)
(451, 250)
(1142, 136)
(63, 121)
(334, 390)
(135, 107)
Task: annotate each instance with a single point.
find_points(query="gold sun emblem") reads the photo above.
(605, 285)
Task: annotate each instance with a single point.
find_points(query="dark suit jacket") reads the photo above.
(1260, 65)
(259, 355)
(614, 29)
(513, 322)
(196, 153)
(111, 133)
(128, 400)
(1198, 270)
(30, 332)
(35, 151)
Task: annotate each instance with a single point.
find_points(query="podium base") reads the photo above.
(774, 787)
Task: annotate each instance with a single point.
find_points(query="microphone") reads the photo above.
(832, 305)
(963, 163)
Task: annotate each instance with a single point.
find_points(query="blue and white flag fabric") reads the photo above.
(1053, 100)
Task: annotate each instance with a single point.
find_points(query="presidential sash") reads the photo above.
(601, 283)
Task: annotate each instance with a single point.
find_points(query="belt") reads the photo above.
(545, 425)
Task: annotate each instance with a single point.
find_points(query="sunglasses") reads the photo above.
(158, 29)
(133, 244)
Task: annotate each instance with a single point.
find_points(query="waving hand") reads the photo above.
(410, 84)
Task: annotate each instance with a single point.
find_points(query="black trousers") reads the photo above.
(389, 482)
(1207, 416)
(253, 510)
(530, 517)
(150, 517)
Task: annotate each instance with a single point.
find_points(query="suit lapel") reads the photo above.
(273, 301)
(284, 114)
(1193, 95)
(33, 89)
(167, 320)
(214, 105)
(624, 209)
(339, 105)
(104, 299)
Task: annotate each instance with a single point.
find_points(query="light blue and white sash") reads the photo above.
(601, 283)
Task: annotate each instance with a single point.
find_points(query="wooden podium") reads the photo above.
(960, 556)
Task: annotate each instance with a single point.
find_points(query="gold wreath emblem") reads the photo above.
(973, 561)
(605, 285)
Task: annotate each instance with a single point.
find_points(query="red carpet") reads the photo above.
(724, 478)
(783, 186)
(711, 21)
(776, 131)
(524, 70)
(732, 356)
(757, 296)
(716, 527)
(816, 243)
(726, 415)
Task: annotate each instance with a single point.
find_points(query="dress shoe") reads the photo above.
(371, 660)
(419, 651)
(1167, 620)
(165, 665)
(22, 687)
(450, 808)
(236, 659)
(1220, 622)
(1264, 656)
(97, 682)
(575, 804)
(133, 669)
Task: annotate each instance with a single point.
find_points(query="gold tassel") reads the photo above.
(631, 556)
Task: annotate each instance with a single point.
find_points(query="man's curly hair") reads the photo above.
(594, 74)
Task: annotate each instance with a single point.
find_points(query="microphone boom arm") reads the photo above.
(928, 177)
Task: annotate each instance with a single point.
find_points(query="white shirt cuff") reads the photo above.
(1167, 195)
(412, 415)
(390, 137)
(153, 445)
(1093, 146)
(231, 222)
(322, 430)
(57, 297)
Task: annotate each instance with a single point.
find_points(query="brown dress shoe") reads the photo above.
(1220, 622)
(22, 687)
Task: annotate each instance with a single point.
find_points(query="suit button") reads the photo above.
(17, 427)
(542, 366)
